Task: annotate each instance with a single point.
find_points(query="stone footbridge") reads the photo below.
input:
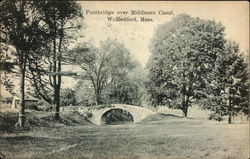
(138, 113)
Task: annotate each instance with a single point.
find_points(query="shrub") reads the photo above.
(215, 116)
(87, 114)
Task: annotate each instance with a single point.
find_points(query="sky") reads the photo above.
(136, 36)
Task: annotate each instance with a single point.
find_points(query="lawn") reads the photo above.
(158, 137)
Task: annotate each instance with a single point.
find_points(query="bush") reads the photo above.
(68, 97)
(215, 116)
(87, 114)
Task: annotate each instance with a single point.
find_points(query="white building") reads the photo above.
(29, 102)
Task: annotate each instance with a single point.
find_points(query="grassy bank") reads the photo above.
(158, 137)
(38, 119)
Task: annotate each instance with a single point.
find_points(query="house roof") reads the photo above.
(3, 92)
(27, 97)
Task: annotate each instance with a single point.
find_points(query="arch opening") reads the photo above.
(116, 116)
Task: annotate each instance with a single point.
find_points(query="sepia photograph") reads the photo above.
(124, 79)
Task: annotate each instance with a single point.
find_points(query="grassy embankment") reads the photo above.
(158, 137)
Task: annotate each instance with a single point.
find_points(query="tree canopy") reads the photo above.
(183, 54)
(228, 91)
(33, 34)
(103, 66)
(21, 35)
(61, 20)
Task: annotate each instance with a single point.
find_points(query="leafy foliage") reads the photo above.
(102, 66)
(228, 91)
(68, 97)
(183, 54)
(124, 91)
(21, 35)
(61, 22)
(85, 94)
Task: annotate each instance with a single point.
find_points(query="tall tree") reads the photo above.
(124, 91)
(102, 66)
(128, 88)
(68, 97)
(183, 54)
(21, 35)
(62, 20)
(228, 91)
(85, 94)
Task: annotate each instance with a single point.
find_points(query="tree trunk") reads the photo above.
(184, 105)
(229, 118)
(97, 96)
(185, 110)
(59, 77)
(57, 103)
(230, 112)
(57, 92)
(229, 107)
(55, 86)
(21, 118)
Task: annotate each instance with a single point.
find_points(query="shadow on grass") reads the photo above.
(158, 117)
(26, 138)
(8, 121)
(169, 115)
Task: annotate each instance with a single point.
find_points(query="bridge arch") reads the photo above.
(115, 108)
